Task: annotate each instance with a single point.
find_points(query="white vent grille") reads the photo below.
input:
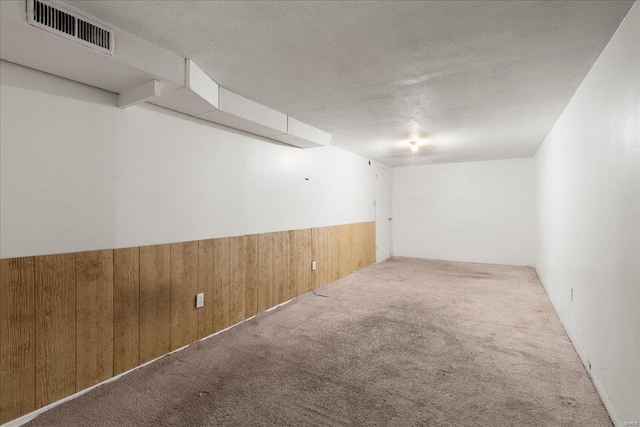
(69, 25)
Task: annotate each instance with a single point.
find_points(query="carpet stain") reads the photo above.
(518, 405)
(567, 401)
(443, 374)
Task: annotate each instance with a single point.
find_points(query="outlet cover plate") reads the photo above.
(200, 300)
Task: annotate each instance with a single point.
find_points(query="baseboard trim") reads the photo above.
(31, 415)
(597, 385)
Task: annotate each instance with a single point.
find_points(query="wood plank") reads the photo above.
(371, 242)
(315, 255)
(222, 277)
(323, 256)
(155, 301)
(126, 309)
(366, 234)
(265, 271)
(303, 260)
(55, 346)
(17, 338)
(237, 261)
(251, 277)
(365, 241)
(277, 275)
(344, 250)
(353, 249)
(357, 246)
(184, 287)
(206, 284)
(333, 263)
(94, 317)
(292, 277)
(318, 247)
(280, 267)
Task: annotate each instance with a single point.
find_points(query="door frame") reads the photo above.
(390, 216)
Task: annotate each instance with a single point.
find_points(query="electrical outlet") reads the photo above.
(313, 265)
(200, 300)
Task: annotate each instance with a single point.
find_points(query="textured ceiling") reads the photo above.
(471, 80)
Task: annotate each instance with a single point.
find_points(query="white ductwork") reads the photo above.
(198, 96)
(137, 70)
(239, 112)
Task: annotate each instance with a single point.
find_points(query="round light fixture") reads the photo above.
(414, 146)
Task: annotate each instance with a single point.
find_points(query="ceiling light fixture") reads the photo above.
(414, 146)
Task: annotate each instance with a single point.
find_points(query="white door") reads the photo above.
(383, 213)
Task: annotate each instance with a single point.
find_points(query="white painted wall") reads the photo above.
(588, 219)
(77, 173)
(476, 211)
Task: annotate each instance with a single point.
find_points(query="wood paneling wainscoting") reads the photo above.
(70, 321)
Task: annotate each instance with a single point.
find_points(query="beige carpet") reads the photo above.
(403, 343)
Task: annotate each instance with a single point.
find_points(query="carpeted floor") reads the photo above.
(406, 342)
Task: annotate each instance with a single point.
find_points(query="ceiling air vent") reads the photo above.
(69, 25)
